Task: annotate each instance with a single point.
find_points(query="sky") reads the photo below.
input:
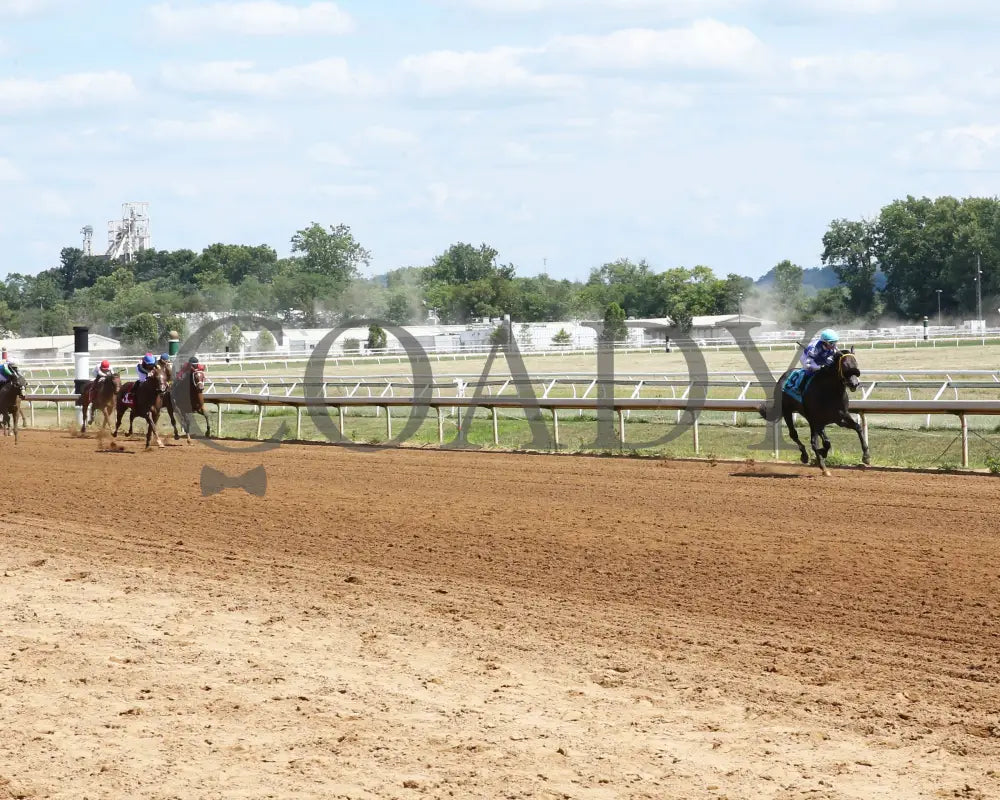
(564, 133)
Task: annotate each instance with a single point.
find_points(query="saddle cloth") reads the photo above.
(796, 384)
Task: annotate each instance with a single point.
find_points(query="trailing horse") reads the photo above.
(11, 394)
(188, 394)
(822, 399)
(101, 393)
(147, 400)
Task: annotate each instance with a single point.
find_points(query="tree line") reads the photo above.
(894, 264)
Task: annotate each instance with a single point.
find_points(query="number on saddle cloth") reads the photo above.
(797, 383)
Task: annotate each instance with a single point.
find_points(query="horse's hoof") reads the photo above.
(804, 458)
(177, 436)
(826, 472)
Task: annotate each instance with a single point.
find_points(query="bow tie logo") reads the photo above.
(253, 482)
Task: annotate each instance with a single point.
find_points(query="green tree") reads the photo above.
(376, 338)
(235, 339)
(500, 335)
(562, 338)
(142, 331)
(399, 310)
(615, 329)
(265, 341)
(788, 281)
(850, 248)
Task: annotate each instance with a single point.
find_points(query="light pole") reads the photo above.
(739, 305)
(939, 306)
(979, 291)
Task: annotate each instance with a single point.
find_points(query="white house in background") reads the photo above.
(35, 348)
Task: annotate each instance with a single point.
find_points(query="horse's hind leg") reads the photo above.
(208, 425)
(118, 421)
(815, 438)
(826, 442)
(790, 422)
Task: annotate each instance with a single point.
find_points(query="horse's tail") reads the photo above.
(762, 410)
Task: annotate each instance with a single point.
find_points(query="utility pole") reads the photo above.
(979, 290)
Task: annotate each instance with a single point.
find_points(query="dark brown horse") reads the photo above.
(11, 394)
(168, 400)
(188, 394)
(100, 393)
(147, 401)
(823, 401)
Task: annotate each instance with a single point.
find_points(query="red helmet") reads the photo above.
(105, 364)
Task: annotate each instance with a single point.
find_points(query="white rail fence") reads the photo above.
(617, 406)
(338, 357)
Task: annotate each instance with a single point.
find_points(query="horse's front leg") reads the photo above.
(208, 425)
(816, 439)
(169, 403)
(151, 430)
(118, 421)
(847, 421)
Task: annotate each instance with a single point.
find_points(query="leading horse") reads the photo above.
(12, 392)
(822, 399)
(147, 402)
(100, 393)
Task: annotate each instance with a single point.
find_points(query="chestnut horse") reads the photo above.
(189, 397)
(147, 402)
(100, 393)
(11, 394)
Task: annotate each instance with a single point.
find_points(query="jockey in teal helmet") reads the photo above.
(8, 370)
(821, 352)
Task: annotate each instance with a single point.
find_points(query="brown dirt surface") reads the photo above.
(425, 624)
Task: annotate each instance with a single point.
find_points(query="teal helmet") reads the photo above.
(829, 335)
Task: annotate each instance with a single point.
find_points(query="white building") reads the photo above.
(35, 348)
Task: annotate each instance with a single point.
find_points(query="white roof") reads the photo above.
(57, 342)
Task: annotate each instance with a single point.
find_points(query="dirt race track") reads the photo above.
(417, 624)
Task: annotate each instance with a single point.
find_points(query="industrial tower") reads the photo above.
(88, 239)
(130, 234)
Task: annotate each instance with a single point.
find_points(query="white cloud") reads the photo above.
(329, 153)
(848, 70)
(256, 18)
(23, 8)
(352, 190)
(704, 44)
(499, 69)
(9, 173)
(972, 147)
(77, 90)
(389, 137)
(219, 126)
(327, 76)
(675, 8)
